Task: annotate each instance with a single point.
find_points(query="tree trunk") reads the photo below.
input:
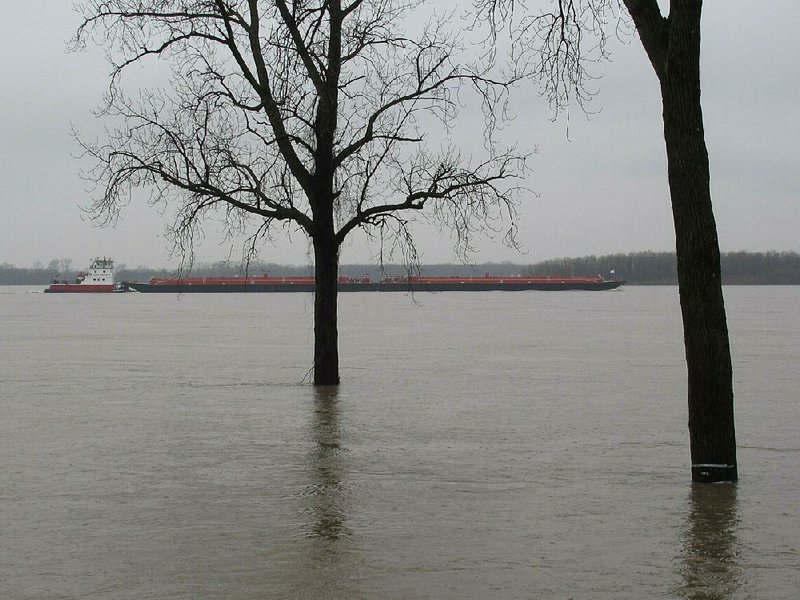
(705, 331)
(326, 332)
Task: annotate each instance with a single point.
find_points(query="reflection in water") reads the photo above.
(328, 487)
(333, 559)
(710, 550)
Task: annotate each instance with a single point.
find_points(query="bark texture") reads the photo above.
(326, 330)
(673, 46)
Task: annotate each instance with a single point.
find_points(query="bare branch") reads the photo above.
(282, 112)
(556, 46)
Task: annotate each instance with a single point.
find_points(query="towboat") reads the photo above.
(98, 279)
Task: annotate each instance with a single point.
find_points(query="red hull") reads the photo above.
(486, 283)
(74, 288)
(510, 280)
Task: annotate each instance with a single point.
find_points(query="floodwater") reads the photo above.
(481, 445)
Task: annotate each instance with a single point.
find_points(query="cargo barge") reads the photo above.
(485, 283)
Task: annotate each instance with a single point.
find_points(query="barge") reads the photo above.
(484, 283)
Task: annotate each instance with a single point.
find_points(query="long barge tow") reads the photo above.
(484, 283)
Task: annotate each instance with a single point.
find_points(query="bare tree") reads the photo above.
(557, 43)
(59, 266)
(64, 265)
(297, 114)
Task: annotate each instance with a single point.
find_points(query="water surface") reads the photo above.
(481, 445)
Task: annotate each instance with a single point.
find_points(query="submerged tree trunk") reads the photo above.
(673, 46)
(711, 424)
(326, 332)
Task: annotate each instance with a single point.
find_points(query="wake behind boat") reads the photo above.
(485, 283)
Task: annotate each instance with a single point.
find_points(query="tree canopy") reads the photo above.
(270, 103)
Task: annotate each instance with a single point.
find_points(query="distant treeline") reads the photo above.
(637, 268)
(660, 268)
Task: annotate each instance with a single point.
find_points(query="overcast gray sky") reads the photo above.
(603, 190)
